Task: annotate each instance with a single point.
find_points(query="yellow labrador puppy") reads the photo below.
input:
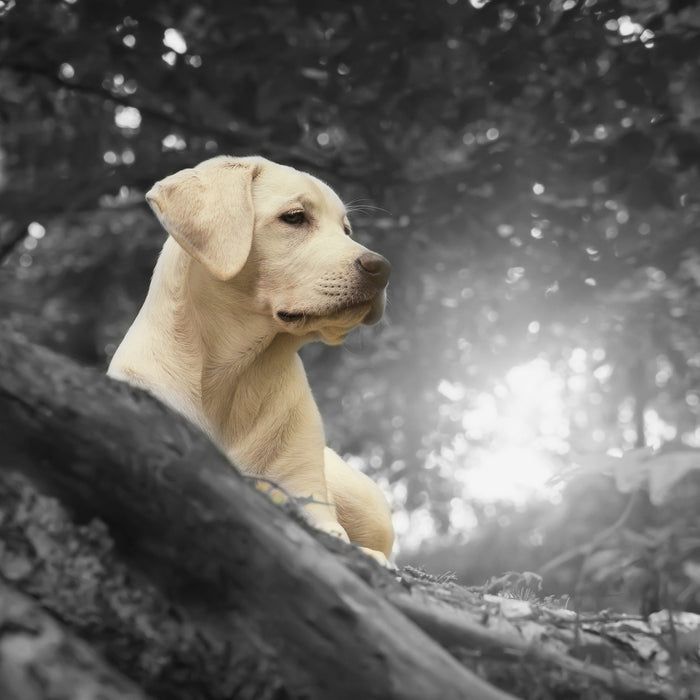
(259, 261)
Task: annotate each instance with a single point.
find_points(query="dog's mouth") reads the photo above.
(292, 317)
(289, 317)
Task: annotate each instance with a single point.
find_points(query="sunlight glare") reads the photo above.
(521, 426)
(511, 473)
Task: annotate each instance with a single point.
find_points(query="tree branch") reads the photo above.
(40, 659)
(586, 548)
(16, 236)
(243, 136)
(454, 628)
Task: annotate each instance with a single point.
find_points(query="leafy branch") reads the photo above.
(234, 137)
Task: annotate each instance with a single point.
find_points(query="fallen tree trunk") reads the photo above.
(244, 576)
(39, 658)
(74, 571)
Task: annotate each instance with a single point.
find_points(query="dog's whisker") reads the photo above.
(364, 206)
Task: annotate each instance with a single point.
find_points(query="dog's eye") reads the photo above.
(295, 218)
(348, 230)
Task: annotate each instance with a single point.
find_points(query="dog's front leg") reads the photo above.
(285, 444)
(323, 516)
(312, 490)
(303, 476)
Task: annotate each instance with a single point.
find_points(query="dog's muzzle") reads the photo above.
(373, 273)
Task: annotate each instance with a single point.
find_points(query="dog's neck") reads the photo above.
(197, 356)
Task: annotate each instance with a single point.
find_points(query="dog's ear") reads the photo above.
(208, 210)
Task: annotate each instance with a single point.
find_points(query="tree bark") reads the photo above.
(40, 659)
(242, 573)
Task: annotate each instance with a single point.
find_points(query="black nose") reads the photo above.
(375, 267)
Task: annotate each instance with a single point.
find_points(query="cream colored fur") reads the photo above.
(257, 264)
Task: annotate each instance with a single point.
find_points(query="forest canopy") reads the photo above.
(530, 168)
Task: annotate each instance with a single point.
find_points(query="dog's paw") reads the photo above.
(335, 529)
(331, 527)
(378, 557)
(322, 516)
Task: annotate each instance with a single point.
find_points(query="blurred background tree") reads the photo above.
(530, 168)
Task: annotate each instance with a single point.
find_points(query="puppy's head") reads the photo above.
(279, 236)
